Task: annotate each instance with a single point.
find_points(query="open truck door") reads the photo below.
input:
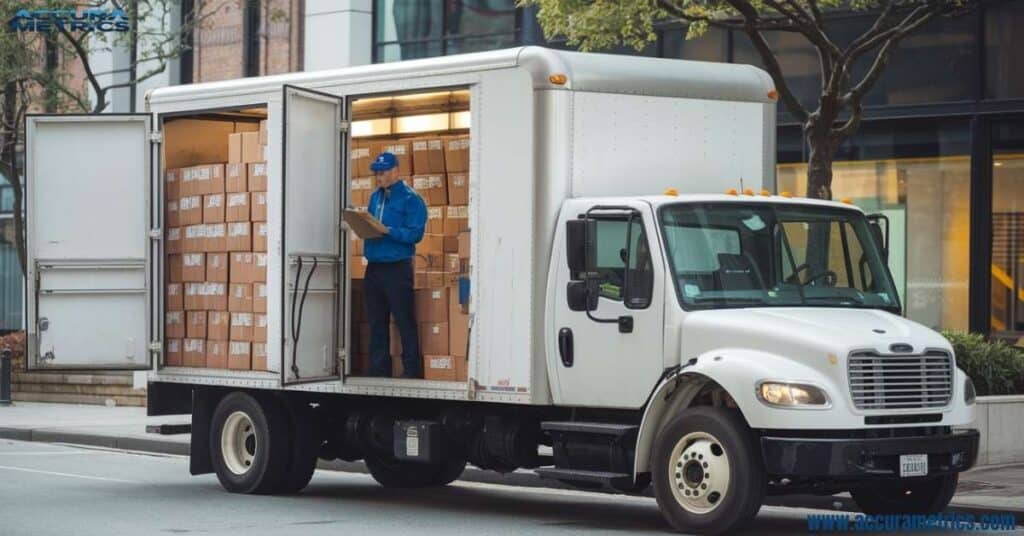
(314, 140)
(91, 236)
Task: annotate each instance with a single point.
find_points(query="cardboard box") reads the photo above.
(424, 280)
(259, 328)
(252, 149)
(241, 326)
(174, 324)
(237, 208)
(402, 151)
(218, 325)
(173, 240)
(259, 356)
(239, 355)
(190, 210)
(428, 155)
(213, 208)
(433, 188)
(456, 154)
(174, 269)
(239, 236)
(431, 305)
(461, 368)
(458, 188)
(217, 267)
(451, 244)
(240, 298)
(236, 177)
(259, 236)
(259, 274)
(202, 180)
(195, 299)
(435, 220)
(357, 268)
(243, 267)
(360, 189)
(217, 354)
(452, 263)
(172, 184)
(194, 239)
(193, 267)
(433, 338)
(463, 250)
(456, 219)
(258, 177)
(263, 132)
(431, 243)
(172, 217)
(215, 239)
(194, 352)
(195, 324)
(215, 296)
(458, 326)
(235, 148)
(438, 368)
(355, 245)
(175, 297)
(258, 206)
(428, 262)
(359, 158)
(259, 297)
(173, 357)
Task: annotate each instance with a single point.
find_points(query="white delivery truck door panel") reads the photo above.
(312, 186)
(610, 367)
(88, 180)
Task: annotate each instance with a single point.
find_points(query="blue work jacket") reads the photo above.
(404, 213)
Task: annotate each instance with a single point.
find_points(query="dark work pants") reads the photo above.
(388, 289)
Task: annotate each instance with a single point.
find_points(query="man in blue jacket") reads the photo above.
(389, 268)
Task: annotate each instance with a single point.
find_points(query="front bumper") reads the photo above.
(860, 457)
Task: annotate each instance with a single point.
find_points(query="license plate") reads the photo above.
(913, 465)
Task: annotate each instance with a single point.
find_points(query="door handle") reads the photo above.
(565, 346)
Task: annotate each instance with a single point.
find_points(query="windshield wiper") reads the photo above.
(855, 299)
(706, 299)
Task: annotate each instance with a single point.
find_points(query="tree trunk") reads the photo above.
(819, 186)
(9, 160)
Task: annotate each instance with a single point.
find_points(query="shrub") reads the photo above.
(16, 343)
(996, 367)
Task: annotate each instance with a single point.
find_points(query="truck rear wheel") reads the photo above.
(707, 472)
(305, 448)
(906, 496)
(392, 473)
(249, 444)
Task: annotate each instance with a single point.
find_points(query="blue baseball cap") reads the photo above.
(384, 162)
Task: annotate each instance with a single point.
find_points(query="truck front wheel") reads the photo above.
(908, 496)
(707, 472)
(249, 444)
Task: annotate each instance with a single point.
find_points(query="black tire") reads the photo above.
(392, 473)
(906, 496)
(728, 510)
(305, 449)
(265, 471)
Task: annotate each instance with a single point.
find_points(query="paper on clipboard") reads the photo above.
(364, 224)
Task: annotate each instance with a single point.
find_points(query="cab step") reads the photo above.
(597, 428)
(587, 478)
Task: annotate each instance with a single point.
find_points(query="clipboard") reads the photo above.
(364, 224)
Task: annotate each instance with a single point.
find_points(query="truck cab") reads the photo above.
(774, 326)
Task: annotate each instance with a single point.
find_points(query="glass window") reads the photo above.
(737, 254)
(410, 29)
(476, 17)
(619, 241)
(798, 59)
(1007, 317)
(1004, 40)
(709, 47)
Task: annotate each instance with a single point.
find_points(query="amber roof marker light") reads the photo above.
(558, 79)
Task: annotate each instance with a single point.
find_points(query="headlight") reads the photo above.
(969, 393)
(788, 395)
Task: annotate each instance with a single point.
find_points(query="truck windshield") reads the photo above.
(760, 255)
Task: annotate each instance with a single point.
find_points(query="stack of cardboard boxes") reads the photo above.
(216, 243)
(437, 167)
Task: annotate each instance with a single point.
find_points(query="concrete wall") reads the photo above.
(1001, 425)
(338, 33)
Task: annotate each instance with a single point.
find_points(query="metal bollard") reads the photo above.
(5, 377)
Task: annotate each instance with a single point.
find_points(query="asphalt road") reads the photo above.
(62, 490)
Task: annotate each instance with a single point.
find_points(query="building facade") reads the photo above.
(940, 152)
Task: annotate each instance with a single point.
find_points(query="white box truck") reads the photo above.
(641, 300)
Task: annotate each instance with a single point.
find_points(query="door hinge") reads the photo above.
(156, 234)
(344, 125)
(156, 137)
(156, 346)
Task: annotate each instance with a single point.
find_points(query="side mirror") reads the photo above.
(582, 295)
(881, 236)
(581, 245)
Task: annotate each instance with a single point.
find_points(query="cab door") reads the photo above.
(91, 239)
(609, 317)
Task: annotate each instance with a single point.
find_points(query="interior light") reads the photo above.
(460, 119)
(421, 123)
(371, 127)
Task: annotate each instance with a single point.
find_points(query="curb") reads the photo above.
(521, 478)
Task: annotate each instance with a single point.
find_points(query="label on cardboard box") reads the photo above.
(456, 154)
(174, 324)
(260, 273)
(213, 208)
(193, 267)
(194, 352)
(173, 238)
(433, 188)
(239, 236)
(239, 355)
(194, 297)
(235, 175)
(190, 210)
(456, 219)
(173, 357)
(217, 267)
(237, 207)
(194, 240)
(215, 240)
(218, 325)
(435, 220)
(258, 177)
(241, 326)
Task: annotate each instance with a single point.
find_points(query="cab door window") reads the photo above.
(623, 261)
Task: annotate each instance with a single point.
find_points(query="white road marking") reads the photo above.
(50, 453)
(70, 475)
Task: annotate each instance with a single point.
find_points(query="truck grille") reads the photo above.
(900, 381)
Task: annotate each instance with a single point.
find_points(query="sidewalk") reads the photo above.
(987, 489)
